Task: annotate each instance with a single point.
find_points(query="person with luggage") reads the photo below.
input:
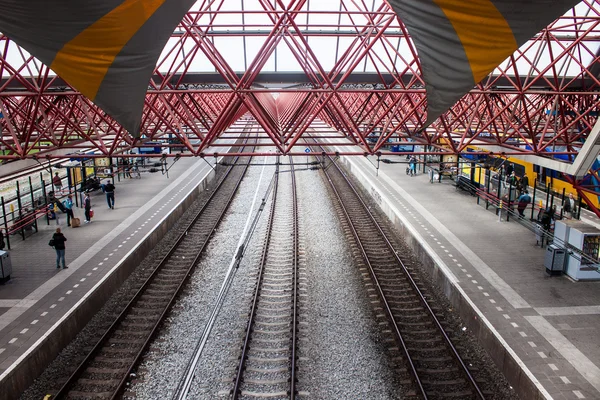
(109, 189)
(87, 208)
(68, 205)
(58, 242)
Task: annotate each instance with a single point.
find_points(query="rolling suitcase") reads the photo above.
(75, 222)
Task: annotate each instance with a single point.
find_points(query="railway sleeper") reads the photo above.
(74, 395)
(103, 359)
(169, 280)
(403, 298)
(276, 350)
(124, 333)
(411, 317)
(263, 370)
(143, 311)
(272, 324)
(256, 394)
(96, 383)
(441, 349)
(158, 291)
(448, 382)
(413, 324)
(152, 303)
(434, 371)
(114, 342)
(425, 340)
(103, 374)
(432, 359)
(398, 307)
(164, 287)
(460, 394)
(282, 381)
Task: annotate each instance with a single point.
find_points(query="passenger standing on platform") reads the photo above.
(126, 168)
(512, 180)
(87, 206)
(510, 169)
(68, 203)
(413, 166)
(59, 245)
(109, 189)
(2, 244)
(57, 182)
(523, 202)
(525, 183)
(569, 206)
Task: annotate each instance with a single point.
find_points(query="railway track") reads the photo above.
(435, 366)
(267, 367)
(105, 371)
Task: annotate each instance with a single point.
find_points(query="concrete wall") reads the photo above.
(37, 361)
(472, 317)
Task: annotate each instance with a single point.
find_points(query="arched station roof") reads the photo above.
(351, 65)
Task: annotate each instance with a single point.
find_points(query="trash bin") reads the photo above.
(554, 260)
(5, 266)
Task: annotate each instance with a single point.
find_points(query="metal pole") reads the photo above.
(533, 201)
(552, 203)
(479, 186)
(33, 204)
(499, 192)
(5, 224)
(20, 211)
(508, 208)
(487, 188)
(112, 175)
(579, 209)
(51, 179)
(45, 204)
(563, 202)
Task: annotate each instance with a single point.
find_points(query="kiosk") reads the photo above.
(583, 264)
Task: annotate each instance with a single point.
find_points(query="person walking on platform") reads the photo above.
(59, 245)
(57, 182)
(109, 189)
(87, 207)
(523, 202)
(68, 204)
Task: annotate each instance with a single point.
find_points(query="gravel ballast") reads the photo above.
(343, 351)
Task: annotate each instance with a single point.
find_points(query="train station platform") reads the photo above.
(42, 308)
(541, 330)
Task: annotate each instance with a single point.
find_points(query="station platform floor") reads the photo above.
(550, 325)
(38, 297)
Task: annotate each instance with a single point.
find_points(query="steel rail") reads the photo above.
(263, 263)
(63, 392)
(295, 284)
(389, 312)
